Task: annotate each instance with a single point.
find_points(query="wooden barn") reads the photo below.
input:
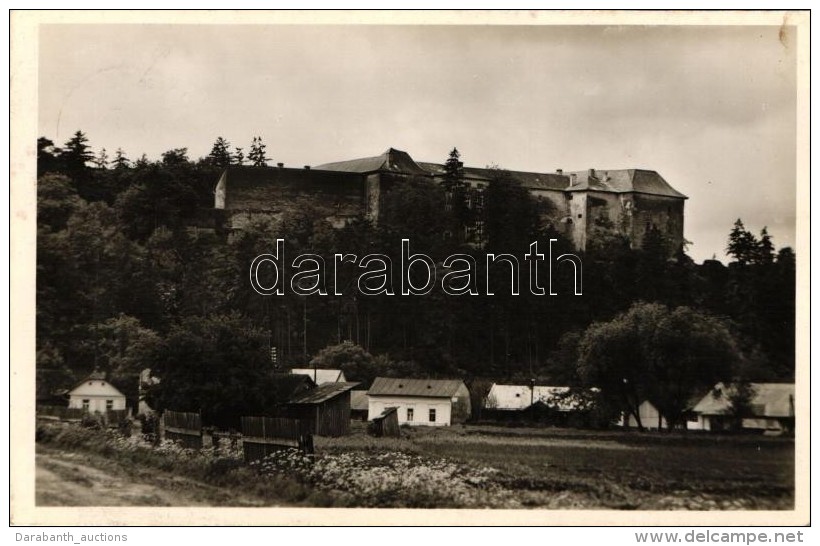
(327, 408)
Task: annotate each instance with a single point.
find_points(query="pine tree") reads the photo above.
(257, 154)
(765, 248)
(743, 245)
(457, 195)
(77, 153)
(101, 161)
(238, 157)
(220, 155)
(120, 161)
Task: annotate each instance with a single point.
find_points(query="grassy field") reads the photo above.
(563, 468)
(459, 466)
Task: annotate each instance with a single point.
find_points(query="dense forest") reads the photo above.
(131, 274)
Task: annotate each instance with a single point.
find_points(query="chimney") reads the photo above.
(559, 171)
(573, 179)
(592, 173)
(307, 167)
(280, 165)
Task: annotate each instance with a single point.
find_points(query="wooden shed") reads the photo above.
(326, 407)
(386, 425)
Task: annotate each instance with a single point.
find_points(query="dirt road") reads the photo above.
(66, 478)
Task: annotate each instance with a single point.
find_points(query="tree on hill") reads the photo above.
(120, 161)
(77, 153)
(257, 155)
(220, 155)
(743, 245)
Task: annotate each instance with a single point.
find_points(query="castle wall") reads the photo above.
(664, 213)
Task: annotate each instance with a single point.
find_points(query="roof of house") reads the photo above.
(358, 400)
(322, 393)
(321, 375)
(623, 181)
(95, 385)
(428, 388)
(769, 400)
(391, 160)
(517, 397)
(282, 387)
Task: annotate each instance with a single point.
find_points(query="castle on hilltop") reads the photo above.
(629, 201)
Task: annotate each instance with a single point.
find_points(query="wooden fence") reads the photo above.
(183, 427)
(61, 412)
(261, 436)
(110, 418)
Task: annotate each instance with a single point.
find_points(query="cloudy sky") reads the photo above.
(712, 109)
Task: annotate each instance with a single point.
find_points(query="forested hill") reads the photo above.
(130, 276)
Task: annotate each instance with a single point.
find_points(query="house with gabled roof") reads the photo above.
(771, 408)
(95, 394)
(420, 402)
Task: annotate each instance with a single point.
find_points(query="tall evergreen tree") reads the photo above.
(77, 153)
(101, 161)
(120, 161)
(238, 156)
(257, 155)
(220, 155)
(765, 248)
(743, 245)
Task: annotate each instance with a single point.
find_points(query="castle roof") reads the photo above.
(530, 180)
(391, 160)
(623, 181)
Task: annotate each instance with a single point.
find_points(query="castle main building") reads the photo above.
(629, 201)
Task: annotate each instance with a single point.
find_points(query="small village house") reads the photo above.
(420, 402)
(321, 376)
(771, 408)
(650, 417)
(326, 408)
(95, 394)
(556, 405)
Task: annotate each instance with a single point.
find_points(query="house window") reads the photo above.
(409, 414)
(109, 405)
(86, 403)
(432, 415)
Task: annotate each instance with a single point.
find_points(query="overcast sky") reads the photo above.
(712, 109)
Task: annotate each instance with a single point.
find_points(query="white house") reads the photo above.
(519, 397)
(420, 402)
(772, 408)
(321, 376)
(649, 417)
(95, 394)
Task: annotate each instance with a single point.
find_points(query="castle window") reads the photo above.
(479, 230)
(580, 216)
